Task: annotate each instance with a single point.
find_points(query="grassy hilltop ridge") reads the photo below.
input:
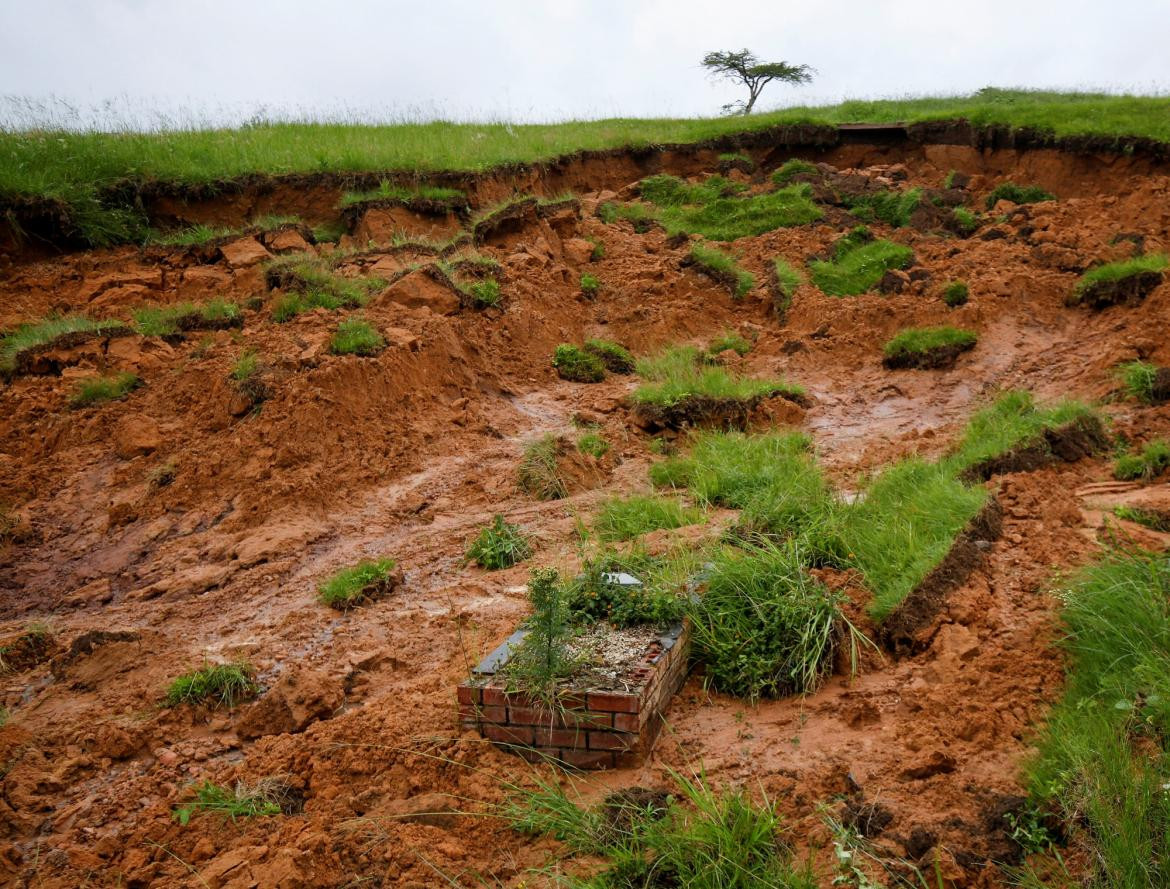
(76, 167)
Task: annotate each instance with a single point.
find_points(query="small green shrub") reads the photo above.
(538, 474)
(955, 294)
(1018, 194)
(590, 285)
(1150, 462)
(791, 168)
(220, 684)
(964, 221)
(362, 583)
(623, 518)
(544, 658)
(355, 336)
(95, 390)
(764, 627)
(659, 601)
(858, 267)
(723, 268)
(577, 365)
(616, 358)
(593, 444)
(499, 545)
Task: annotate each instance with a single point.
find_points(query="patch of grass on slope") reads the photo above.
(1102, 761)
(74, 166)
(623, 518)
(717, 210)
(679, 373)
(858, 267)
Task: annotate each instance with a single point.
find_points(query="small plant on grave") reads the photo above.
(499, 545)
(577, 365)
(544, 658)
(366, 581)
(955, 294)
(590, 285)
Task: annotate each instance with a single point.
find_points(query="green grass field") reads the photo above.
(76, 167)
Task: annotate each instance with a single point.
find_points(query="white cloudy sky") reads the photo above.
(552, 59)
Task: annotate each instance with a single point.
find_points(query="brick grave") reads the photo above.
(592, 729)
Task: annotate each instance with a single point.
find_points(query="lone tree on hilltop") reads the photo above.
(743, 67)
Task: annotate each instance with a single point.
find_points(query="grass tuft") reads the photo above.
(785, 280)
(623, 518)
(955, 294)
(42, 333)
(96, 390)
(914, 342)
(1112, 274)
(590, 285)
(173, 319)
(356, 336)
(364, 582)
(1018, 194)
(790, 169)
(593, 444)
(858, 267)
(499, 545)
(717, 210)
(1150, 462)
(272, 796)
(678, 373)
(221, 685)
(538, 474)
(616, 358)
(578, 365)
(730, 340)
(891, 207)
(723, 268)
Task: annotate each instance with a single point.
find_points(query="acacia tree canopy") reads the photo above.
(743, 67)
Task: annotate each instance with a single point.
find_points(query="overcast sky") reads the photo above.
(222, 60)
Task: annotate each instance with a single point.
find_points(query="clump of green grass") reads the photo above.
(246, 367)
(500, 545)
(785, 280)
(421, 195)
(857, 267)
(1150, 462)
(312, 284)
(577, 365)
(1101, 765)
(916, 342)
(364, 582)
(484, 294)
(736, 160)
(170, 320)
(356, 336)
(1018, 194)
(1139, 378)
(1097, 286)
(891, 207)
(593, 444)
(538, 474)
(329, 232)
(42, 333)
(678, 374)
(271, 796)
(955, 294)
(616, 357)
(704, 838)
(764, 627)
(598, 251)
(221, 685)
(772, 478)
(716, 209)
(723, 268)
(95, 390)
(623, 518)
(791, 168)
(658, 601)
(965, 222)
(730, 340)
(1147, 518)
(590, 285)
(1012, 420)
(902, 527)
(192, 236)
(640, 216)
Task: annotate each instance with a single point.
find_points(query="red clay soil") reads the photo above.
(180, 526)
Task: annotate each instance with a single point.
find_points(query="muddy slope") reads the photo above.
(172, 528)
